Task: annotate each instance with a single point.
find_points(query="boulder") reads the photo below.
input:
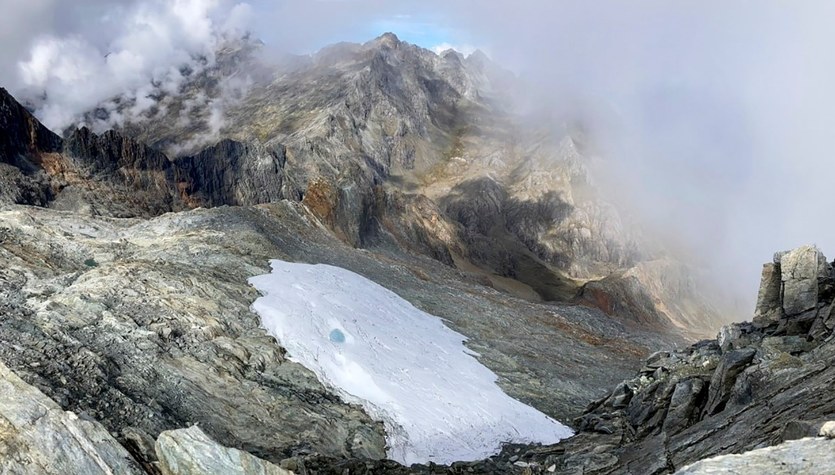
(727, 335)
(191, 452)
(620, 397)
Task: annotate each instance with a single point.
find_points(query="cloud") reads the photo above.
(154, 45)
(714, 118)
(464, 49)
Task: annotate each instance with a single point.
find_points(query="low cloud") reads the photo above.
(156, 45)
(464, 49)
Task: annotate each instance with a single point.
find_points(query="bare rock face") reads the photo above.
(756, 385)
(768, 309)
(232, 173)
(38, 438)
(802, 270)
(25, 144)
(812, 455)
(145, 327)
(191, 452)
(23, 137)
(114, 175)
(794, 292)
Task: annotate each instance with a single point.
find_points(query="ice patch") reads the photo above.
(403, 365)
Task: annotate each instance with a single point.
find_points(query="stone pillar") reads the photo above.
(769, 303)
(800, 272)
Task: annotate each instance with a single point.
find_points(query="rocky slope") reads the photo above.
(758, 384)
(145, 326)
(123, 268)
(390, 145)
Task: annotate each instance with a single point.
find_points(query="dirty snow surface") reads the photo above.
(405, 367)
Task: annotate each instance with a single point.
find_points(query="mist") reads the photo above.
(713, 118)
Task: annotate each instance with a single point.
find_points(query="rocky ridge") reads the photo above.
(393, 146)
(756, 385)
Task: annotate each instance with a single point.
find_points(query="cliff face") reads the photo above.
(25, 145)
(23, 137)
(232, 173)
(114, 175)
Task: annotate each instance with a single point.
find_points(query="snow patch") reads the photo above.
(404, 366)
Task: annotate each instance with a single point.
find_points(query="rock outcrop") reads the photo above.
(756, 385)
(191, 452)
(232, 173)
(37, 437)
(114, 175)
(23, 137)
(25, 145)
(812, 455)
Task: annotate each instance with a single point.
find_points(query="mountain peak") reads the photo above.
(479, 56)
(387, 39)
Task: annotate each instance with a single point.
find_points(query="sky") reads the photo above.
(714, 118)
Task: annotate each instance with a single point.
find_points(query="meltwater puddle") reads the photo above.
(403, 365)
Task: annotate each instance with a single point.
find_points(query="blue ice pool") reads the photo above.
(337, 336)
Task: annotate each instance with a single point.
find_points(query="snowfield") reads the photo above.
(404, 366)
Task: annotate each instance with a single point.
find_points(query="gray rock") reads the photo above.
(773, 346)
(191, 452)
(795, 430)
(727, 335)
(824, 324)
(233, 173)
(620, 397)
(37, 437)
(769, 304)
(804, 456)
(800, 271)
(685, 405)
(724, 377)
